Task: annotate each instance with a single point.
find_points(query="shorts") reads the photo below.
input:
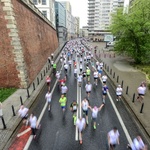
(84, 76)
(85, 112)
(95, 78)
(99, 71)
(48, 83)
(118, 95)
(63, 107)
(88, 92)
(104, 93)
(104, 81)
(25, 117)
(94, 119)
(112, 145)
(141, 94)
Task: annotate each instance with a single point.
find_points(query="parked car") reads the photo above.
(111, 43)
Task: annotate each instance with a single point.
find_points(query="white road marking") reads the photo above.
(24, 132)
(40, 117)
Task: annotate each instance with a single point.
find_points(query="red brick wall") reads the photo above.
(38, 40)
(8, 72)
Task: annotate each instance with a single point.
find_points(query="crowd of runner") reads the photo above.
(76, 57)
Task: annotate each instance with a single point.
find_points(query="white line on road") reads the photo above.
(24, 132)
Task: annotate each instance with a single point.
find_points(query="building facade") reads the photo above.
(99, 15)
(47, 7)
(60, 13)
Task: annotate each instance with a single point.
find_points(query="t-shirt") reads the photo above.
(23, 112)
(118, 91)
(80, 124)
(137, 145)
(63, 101)
(74, 106)
(79, 78)
(48, 97)
(95, 74)
(85, 105)
(64, 89)
(88, 87)
(113, 136)
(33, 121)
(94, 113)
(104, 78)
(141, 90)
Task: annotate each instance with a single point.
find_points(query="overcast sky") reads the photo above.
(79, 9)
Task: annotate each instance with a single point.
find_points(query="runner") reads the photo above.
(88, 88)
(95, 111)
(23, 113)
(137, 144)
(48, 98)
(70, 63)
(66, 68)
(88, 72)
(63, 101)
(84, 75)
(141, 92)
(54, 68)
(104, 78)
(48, 81)
(57, 75)
(33, 124)
(80, 79)
(104, 92)
(118, 92)
(73, 108)
(64, 89)
(80, 67)
(113, 138)
(81, 126)
(95, 74)
(85, 105)
(75, 72)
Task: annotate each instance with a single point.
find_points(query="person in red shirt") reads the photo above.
(61, 82)
(48, 81)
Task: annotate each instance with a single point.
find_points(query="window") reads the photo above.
(43, 2)
(44, 13)
(35, 2)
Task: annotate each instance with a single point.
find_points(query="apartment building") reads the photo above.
(47, 7)
(99, 15)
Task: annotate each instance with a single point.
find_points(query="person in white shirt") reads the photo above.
(95, 74)
(118, 92)
(88, 88)
(66, 68)
(33, 124)
(95, 111)
(64, 89)
(70, 63)
(85, 105)
(141, 92)
(137, 144)
(48, 98)
(75, 72)
(81, 126)
(80, 79)
(80, 67)
(23, 113)
(113, 138)
(101, 65)
(57, 75)
(104, 78)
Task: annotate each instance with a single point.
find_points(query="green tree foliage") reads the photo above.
(132, 31)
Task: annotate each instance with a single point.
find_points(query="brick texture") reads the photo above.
(38, 40)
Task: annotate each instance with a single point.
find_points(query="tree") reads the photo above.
(132, 31)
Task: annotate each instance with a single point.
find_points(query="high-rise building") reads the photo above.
(60, 13)
(47, 8)
(99, 14)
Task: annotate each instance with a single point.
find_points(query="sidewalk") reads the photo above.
(119, 67)
(11, 121)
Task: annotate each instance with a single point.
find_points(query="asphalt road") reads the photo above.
(58, 132)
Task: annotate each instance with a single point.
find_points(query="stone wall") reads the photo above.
(30, 39)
